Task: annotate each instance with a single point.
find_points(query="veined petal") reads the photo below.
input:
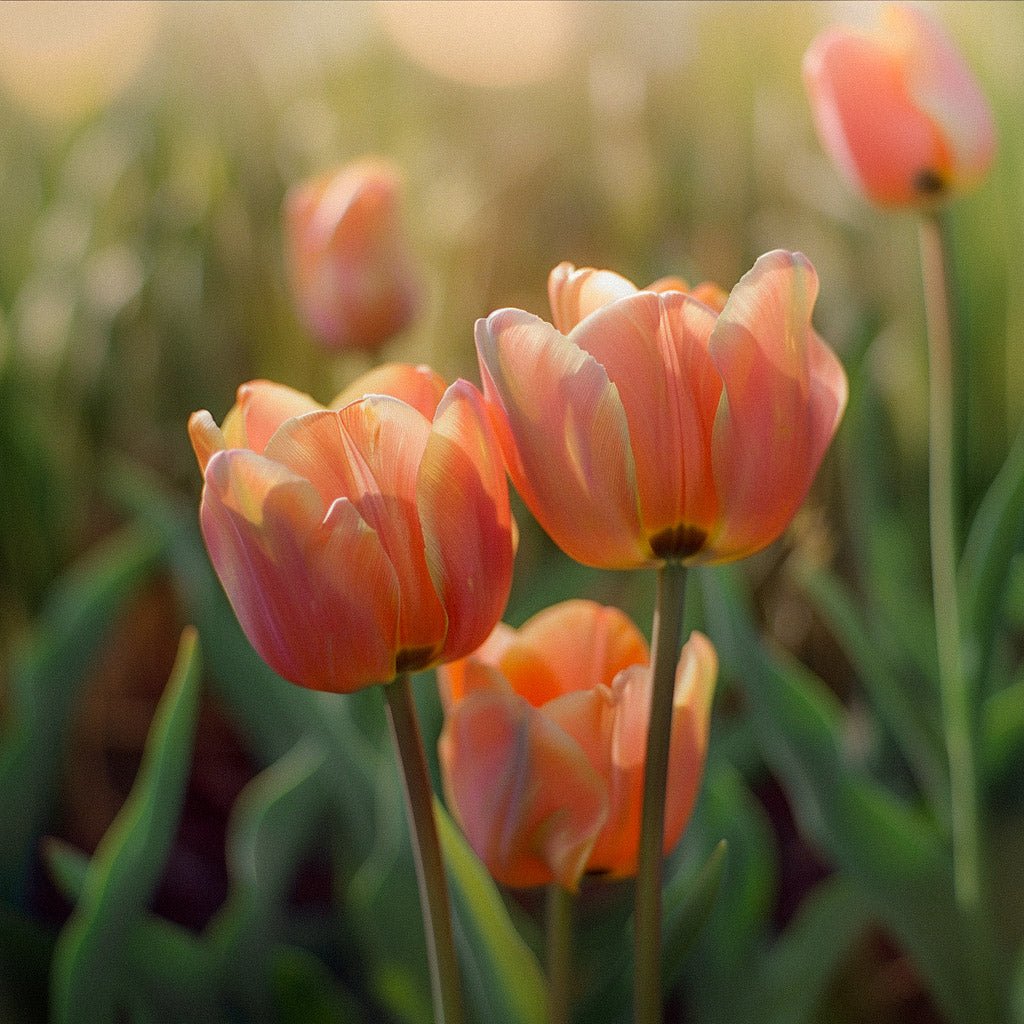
(523, 791)
(370, 453)
(316, 595)
(580, 644)
(575, 294)
(418, 386)
(784, 394)
(564, 436)
(462, 496)
(654, 348)
(263, 406)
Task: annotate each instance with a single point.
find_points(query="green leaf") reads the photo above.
(994, 537)
(804, 959)
(46, 683)
(273, 824)
(892, 854)
(905, 716)
(500, 973)
(1002, 741)
(90, 969)
(305, 991)
(687, 903)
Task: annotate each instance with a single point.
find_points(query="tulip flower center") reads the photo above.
(679, 541)
(412, 659)
(929, 182)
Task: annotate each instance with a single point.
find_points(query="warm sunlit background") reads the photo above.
(145, 149)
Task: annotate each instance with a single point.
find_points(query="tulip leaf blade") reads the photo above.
(892, 853)
(306, 992)
(46, 681)
(687, 905)
(994, 537)
(502, 976)
(126, 868)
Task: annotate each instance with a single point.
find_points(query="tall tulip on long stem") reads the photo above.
(361, 543)
(663, 428)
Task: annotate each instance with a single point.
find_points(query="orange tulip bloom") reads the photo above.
(657, 428)
(358, 542)
(899, 111)
(351, 271)
(542, 753)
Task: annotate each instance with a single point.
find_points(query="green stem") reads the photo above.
(958, 716)
(559, 953)
(666, 644)
(433, 884)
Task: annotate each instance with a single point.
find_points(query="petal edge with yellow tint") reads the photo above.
(263, 406)
(418, 386)
(522, 790)
(563, 432)
(462, 500)
(575, 293)
(206, 437)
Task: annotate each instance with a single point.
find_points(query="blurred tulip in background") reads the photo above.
(899, 111)
(353, 275)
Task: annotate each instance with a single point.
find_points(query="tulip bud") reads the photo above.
(351, 270)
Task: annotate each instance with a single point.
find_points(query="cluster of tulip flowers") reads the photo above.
(662, 427)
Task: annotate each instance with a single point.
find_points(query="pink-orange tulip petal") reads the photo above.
(660, 428)
(347, 557)
(899, 111)
(288, 569)
(418, 386)
(563, 430)
(522, 790)
(785, 392)
(462, 496)
(530, 709)
(351, 270)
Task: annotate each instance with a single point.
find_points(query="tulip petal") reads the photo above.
(370, 453)
(880, 138)
(564, 436)
(462, 496)
(944, 87)
(654, 348)
(316, 595)
(206, 437)
(571, 646)
(784, 394)
(458, 679)
(696, 676)
(523, 791)
(575, 294)
(263, 406)
(418, 386)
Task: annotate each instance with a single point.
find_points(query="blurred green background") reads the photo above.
(145, 149)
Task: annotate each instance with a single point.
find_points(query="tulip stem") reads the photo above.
(433, 884)
(666, 644)
(559, 953)
(958, 715)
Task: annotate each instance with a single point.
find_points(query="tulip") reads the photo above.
(899, 111)
(649, 427)
(350, 267)
(542, 752)
(360, 541)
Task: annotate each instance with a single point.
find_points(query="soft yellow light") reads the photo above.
(64, 60)
(482, 42)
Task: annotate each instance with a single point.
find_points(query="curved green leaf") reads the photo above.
(92, 957)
